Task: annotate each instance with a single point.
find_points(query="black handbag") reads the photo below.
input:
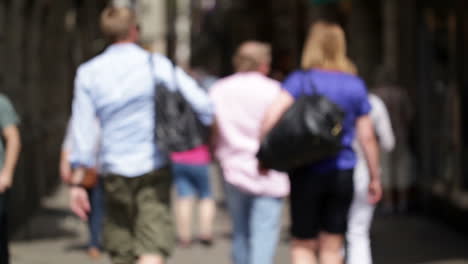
(308, 132)
(178, 127)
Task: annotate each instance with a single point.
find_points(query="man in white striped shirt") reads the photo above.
(117, 88)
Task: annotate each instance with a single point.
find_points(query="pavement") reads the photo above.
(55, 236)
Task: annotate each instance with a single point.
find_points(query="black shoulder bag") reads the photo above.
(309, 131)
(177, 125)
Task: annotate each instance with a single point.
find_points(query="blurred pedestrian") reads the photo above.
(321, 193)
(361, 212)
(10, 145)
(398, 179)
(254, 200)
(118, 88)
(191, 171)
(95, 194)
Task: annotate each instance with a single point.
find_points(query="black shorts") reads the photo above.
(320, 202)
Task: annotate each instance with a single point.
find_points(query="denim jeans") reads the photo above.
(192, 180)
(256, 224)
(4, 254)
(96, 199)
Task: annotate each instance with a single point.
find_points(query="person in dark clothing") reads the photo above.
(397, 173)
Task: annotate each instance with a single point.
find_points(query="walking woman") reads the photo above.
(321, 193)
(192, 180)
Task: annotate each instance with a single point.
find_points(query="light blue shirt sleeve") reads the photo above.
(84, 134)
(196, 96)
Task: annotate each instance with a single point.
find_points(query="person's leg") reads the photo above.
(360, 218)
(304, 251)
(154, 235)
(184, 208)
(184, 203)
(207, 213)
(118, 220)
(330, 248)
(265, 226)
(151, 259)
(305, 207)
(336, 212)
(403, 179)
(388, 170)
(95, 219)
(239, 205)
(4, 253)
(207, 206)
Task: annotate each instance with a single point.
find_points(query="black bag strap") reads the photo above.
(153, 75)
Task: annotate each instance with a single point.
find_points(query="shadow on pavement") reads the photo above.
(416, 240)
(76, 247)
(49, 223)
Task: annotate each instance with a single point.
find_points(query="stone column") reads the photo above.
(153, 24)
(182, 27)
(390, 37)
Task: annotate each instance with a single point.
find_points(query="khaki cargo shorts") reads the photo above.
(138, 220)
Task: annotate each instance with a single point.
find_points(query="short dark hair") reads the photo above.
(116, 22)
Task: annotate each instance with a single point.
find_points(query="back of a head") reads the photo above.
(251, 55)
(116, 22)
(325, 48)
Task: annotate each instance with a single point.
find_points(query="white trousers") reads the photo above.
(360, 218)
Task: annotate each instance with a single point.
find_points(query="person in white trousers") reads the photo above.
(361, 211)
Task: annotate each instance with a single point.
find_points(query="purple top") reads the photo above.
(347, 91)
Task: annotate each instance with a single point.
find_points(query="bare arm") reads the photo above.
(83, 139)
(275, 111)
(65, 168)
(366, 138)
(12, 150)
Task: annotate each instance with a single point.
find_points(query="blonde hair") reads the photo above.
(250, 55)
(116, 22)
(325, 48)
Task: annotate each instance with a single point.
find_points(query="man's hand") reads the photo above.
(6, 180)
(79, 202)
(375, 191)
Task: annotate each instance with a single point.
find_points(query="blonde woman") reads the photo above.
(321, 193)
